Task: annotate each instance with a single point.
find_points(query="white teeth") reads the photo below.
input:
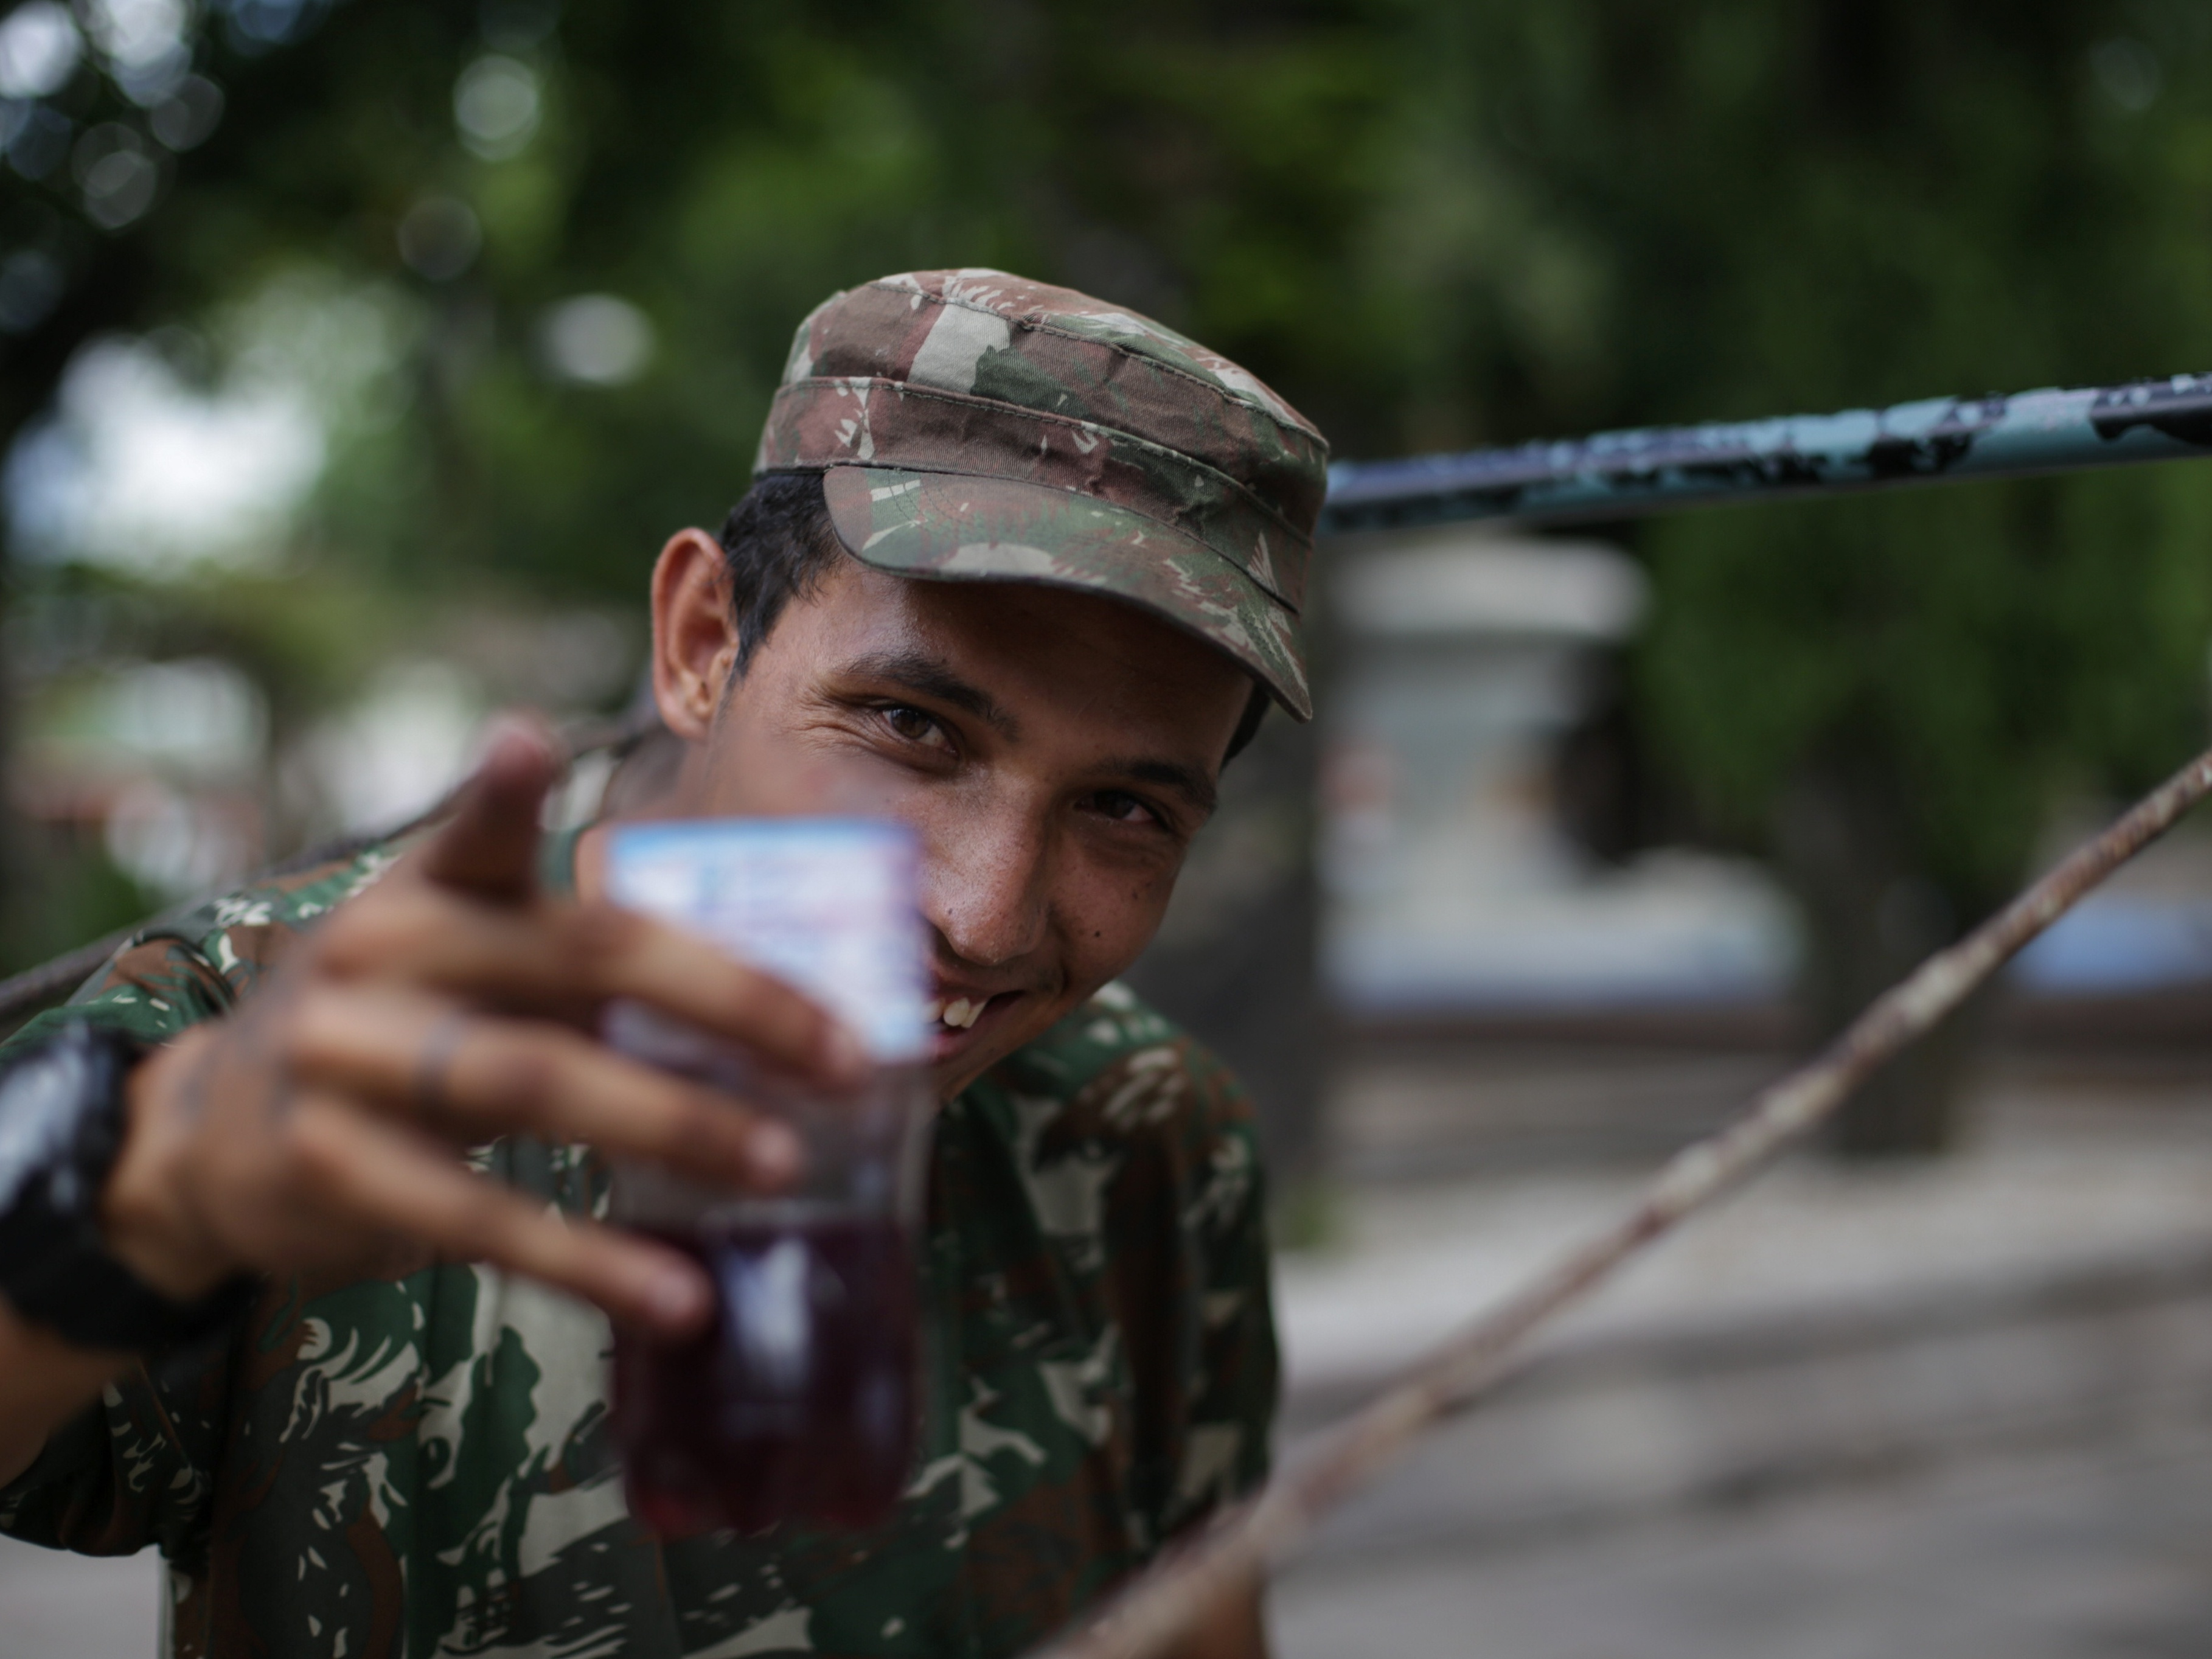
(936, 1008)
(959, 1013)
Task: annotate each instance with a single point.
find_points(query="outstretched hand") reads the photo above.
(321, 1126)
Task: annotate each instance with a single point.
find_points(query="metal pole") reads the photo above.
(1621, 475)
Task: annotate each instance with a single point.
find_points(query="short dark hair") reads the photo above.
(778, 543)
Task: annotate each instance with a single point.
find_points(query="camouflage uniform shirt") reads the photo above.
(421, 1466)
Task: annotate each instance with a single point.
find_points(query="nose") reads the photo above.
(985, 888)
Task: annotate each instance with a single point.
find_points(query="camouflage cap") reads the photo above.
(971, 425)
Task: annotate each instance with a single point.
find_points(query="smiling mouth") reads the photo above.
(957, 1013)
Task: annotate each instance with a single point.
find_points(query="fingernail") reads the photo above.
(513, 739)
(678, 1300)
(846, 1055)
(773, 1154)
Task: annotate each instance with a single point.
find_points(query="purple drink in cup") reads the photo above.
(814, 1423)
(801, 1401)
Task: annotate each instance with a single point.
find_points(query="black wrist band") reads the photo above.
(91, 1300)
(61, 1130)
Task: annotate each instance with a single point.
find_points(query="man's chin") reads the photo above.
(958, 1058)
(950, 1076)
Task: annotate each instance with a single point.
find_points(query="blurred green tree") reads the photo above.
(1431, 223)
(1810, 205)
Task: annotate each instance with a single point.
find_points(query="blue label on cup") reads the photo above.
(826, 904)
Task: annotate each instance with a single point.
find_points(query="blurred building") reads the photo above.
(1466, 658)
(159, 764)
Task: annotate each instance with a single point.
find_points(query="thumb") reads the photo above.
(490, 845)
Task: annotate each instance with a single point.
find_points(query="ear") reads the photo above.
(694, 641)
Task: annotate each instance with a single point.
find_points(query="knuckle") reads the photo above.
(696, 1119)
(765, 998)
(305, 1149)
(314, 1026)
(598, 935)
(520, 1071)
(485, 1228)
(368, 934)
(796, 1019)
(504, 1228)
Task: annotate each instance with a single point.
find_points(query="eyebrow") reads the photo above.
(927, 675)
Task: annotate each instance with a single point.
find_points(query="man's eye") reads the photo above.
(912, 725)
(1124, 808)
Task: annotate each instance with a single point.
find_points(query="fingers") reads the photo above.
(567, 961)
(479, 1076)
(460, 920)
(381, 1175)
(491, 846)
(650, 961)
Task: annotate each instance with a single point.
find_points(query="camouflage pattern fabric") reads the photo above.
(973, 424)
(420, 1465)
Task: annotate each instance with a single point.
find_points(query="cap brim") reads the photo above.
(953, 526)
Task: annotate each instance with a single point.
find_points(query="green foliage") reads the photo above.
(1730, 208)
(81, 895)
(1429, 222)
(1970, 649)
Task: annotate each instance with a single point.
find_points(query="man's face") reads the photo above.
(1054, 750)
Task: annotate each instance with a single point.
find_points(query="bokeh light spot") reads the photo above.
(598, 339)
(118, 177)
(440, 238)
(39, 48)
(496, 107)
(184, 119)
(2130, 73)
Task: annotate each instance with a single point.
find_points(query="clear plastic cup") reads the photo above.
(801, 1401)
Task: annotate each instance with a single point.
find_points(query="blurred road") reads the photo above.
(2099, 1555)
(1959, 1410)
(1962, 1411)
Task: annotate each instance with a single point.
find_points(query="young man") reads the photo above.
(1018, 569)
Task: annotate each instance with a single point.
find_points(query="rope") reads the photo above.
(1180, 1591)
